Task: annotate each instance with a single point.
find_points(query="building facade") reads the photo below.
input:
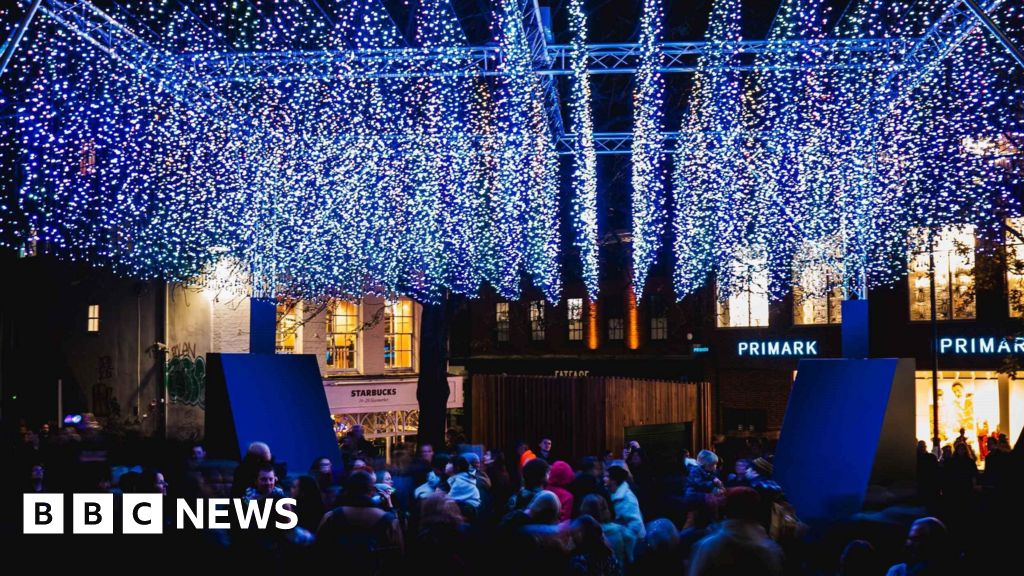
(749, 347)
(132, 354)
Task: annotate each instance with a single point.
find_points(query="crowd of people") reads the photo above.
(467, 509)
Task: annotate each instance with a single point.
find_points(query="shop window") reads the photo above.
(967, 399)
(746, 305)
(953, 251)
(615, 329)
(501, 322)
(398, 335)
(537, 320)
(93, 323)
(287, 339)
(1015, 266)
(342, 335)
(574, 314)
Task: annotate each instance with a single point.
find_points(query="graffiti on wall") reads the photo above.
(185, 375)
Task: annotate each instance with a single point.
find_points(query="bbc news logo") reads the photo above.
(144, 513)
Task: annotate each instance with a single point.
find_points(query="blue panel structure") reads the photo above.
(274, 398)
(835, 423)
(855, 329)
(262, 326)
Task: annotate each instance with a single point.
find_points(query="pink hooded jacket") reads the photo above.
(558, 482)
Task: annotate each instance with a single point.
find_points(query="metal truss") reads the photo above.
(680, 57)
(948, 31)
(96, 27)
(541, 60)
(614, 143)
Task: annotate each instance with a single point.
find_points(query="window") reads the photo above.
(953, 253)
(658, 310)
(747, 303)
(398, 333)
(87, 158)
(615, 330)
(501, 321)
(342, 334)
(817, 296)
(93, 324)
(1015, 265)
(574, 313)
(659, 328)
(537, 320)
(287, 340)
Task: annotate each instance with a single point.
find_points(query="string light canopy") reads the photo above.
(304, 184)
(819, 170)
(584, 176)
(648, 184)
(339, 177)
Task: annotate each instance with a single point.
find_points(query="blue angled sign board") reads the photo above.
(849, 423)
(274, 398)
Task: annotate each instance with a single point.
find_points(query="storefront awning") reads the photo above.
(362, 396)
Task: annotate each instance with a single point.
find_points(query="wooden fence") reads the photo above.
(582, 416)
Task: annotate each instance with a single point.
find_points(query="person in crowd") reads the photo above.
(627, 508)
(462, 487)
(537, 543)
(559, 479)
(435, 478)
(928, 484)
(36, 481)
(256, 456)
(535, 478)
(738, 477)
(544, 450)
(589, 480)
(426, 452)
(858, 559)
(151, 481)
(620, 538)
(265, 485)
(739, 544)
(759, 477)
(688, 459)
(928, 550)
(701, 480)
(355, 446)
(367, 539)
(321, 470)
(606, 457)
(997, 465)
(524, 454)
(959, 475)
(591, 555)
(478, 470)
(501, 481)
(385, 485)
(454, 440)
(659, 552)
(309, 505)
(197, 456)
(442, 538)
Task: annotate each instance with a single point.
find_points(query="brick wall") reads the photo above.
(761, 389)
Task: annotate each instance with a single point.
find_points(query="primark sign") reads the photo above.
(981, 345)
(777, 348)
